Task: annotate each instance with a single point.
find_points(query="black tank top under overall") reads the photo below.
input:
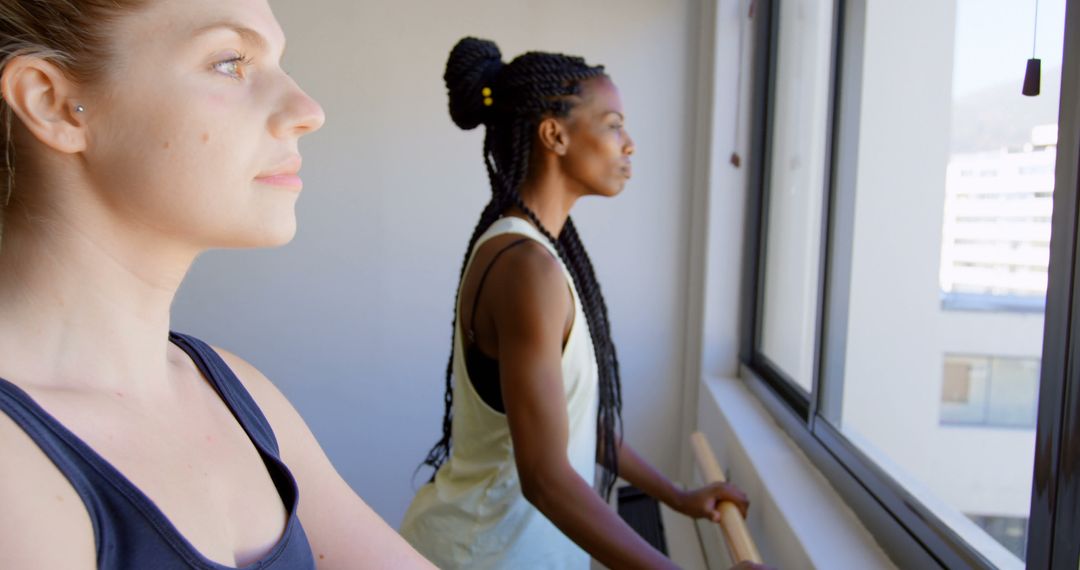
(484, 370)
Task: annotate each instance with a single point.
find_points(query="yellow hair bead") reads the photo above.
(488, 101)
(486, 92)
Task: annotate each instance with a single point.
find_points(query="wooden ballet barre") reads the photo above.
(732, 526)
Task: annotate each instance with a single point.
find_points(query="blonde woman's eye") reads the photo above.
(233, 67)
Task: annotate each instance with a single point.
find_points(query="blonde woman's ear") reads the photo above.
(38, 93)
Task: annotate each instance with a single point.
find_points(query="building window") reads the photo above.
(1011, 532)
(989, 391)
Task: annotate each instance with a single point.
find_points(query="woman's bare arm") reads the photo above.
(344, 532)
(528, 299)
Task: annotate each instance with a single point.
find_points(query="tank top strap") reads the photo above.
(229, 387)
(514, 225)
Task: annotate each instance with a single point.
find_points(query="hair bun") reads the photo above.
(473, 66)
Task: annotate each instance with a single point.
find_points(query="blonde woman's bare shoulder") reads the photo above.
(274, 405)
(44, 523)
(344, 532)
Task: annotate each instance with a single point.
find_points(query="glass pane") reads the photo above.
(1014, 393)
(796, 188)
(953, 178)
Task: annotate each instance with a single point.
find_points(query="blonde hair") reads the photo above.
(72, 34)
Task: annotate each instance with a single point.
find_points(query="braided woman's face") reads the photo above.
(599, 147)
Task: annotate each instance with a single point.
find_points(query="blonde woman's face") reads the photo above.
(194, 126)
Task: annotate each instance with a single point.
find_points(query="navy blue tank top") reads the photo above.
(129, 529)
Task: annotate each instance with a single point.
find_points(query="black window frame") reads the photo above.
(911, 534)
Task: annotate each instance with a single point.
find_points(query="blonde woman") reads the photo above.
(137, 134)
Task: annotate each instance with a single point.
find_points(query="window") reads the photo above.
(797, 172)
(902, 204)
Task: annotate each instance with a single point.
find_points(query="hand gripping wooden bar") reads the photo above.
(732, 526)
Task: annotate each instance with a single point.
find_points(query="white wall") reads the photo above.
(352, 320)
(892, 336)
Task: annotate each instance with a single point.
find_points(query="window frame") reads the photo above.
(908, 530)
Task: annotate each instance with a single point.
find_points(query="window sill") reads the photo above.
(797, 519)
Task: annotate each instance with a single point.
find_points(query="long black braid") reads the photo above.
(510, 101)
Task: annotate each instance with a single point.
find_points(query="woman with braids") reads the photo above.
(137, 134)
(535, 404)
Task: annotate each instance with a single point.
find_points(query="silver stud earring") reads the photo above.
(79, 108)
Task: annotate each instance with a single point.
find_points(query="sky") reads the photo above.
(994, 40)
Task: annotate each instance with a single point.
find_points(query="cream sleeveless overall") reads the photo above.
(473, 515)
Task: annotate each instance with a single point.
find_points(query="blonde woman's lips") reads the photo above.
(283, 180)
(285, 174)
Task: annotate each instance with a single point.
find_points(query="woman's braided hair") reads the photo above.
(510, 101)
